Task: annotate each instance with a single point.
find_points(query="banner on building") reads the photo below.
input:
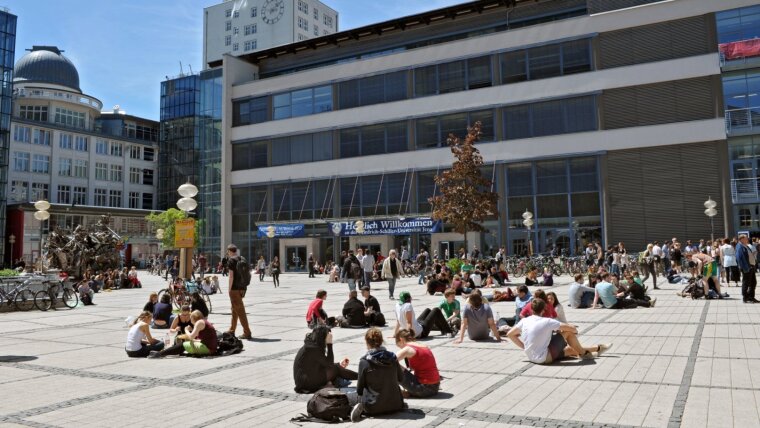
(281, 231)
(184, 233)
(386, 227)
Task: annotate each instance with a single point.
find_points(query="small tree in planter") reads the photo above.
(466, 199)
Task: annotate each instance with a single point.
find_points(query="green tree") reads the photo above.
(165, 220)
(466, 198)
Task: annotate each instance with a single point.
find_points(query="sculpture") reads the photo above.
(96, 247)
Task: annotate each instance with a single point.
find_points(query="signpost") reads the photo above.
(184, 239)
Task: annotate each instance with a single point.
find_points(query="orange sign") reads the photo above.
(184, 233)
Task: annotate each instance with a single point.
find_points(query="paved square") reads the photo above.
(683, 363)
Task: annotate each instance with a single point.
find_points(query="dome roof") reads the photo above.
(46, 64)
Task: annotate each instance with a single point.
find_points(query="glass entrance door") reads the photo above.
(295, 259)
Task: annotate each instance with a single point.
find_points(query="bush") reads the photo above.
(8, 272)
(455, 265)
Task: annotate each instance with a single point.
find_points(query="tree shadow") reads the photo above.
(16, 358)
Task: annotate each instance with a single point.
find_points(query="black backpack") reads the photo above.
(356, 270)
(243, 270)
(228, 344)
(327, 405)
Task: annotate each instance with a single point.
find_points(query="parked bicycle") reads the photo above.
(20, 296)
(180, 295)
(48, 297)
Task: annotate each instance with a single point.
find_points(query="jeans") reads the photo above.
(615, 269)
(276, 278)
(422, 277)
(238, 312)
(433, 319)
(145, 350)
(351, 284)
(749, 282)
(391, 286)
(587, 299)
(649, 269)
(367, 278)
(261, 275)
(415, 388)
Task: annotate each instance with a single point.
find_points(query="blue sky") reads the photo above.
(124, 49)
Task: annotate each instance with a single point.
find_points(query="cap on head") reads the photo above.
(405, 297)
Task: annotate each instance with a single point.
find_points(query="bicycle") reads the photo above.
(181, 295)
(47, 298)
(21, 296)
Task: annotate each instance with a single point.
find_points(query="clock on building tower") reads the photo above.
(273, 11)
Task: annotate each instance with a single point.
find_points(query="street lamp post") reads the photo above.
(42, 214)
(186, 204)
(711, 212)
(11, 240)
(528, 222)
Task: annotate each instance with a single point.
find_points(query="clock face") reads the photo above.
(273, 11)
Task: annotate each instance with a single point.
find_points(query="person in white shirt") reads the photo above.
(367, 261)
(546, 340)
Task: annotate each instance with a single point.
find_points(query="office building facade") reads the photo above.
(239, 27)
(603, 119)
(7, 53)
(85, 162)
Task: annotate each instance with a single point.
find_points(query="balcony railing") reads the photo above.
(59, 95)
(742, 119)
(745, 189)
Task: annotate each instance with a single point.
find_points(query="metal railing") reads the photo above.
(742, 119)
(745, 189)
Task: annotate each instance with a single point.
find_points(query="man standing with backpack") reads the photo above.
(353, 270)
(240, 277)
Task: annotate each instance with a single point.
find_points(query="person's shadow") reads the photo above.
(16, 358)
(264, 340)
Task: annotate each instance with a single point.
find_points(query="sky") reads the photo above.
(124, 49)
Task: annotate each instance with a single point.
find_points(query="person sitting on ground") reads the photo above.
(523, 299)
(579, 294)
(610, 298)
(553, 302)
(549, 312)
(353, 312)
(548, 277)
(637, 293)
(451, 310)
(429, 319)
(620, 286)
(531, 278)
(151, 305)
(501, 296)
(162, 313)
(140, 343)
(477, 320)
(546, 340)
(198, 304)
(707, 267)
(86, 293)
(497, 278)
(182, 321)
(315, 313)
(436, 285)
(199, 340)
(372, 309)
(423, 379)
(377, 389)
(468, 283)
(207, 286)
(457, 285)
(314, 365)
(133, 278)
(122, 279)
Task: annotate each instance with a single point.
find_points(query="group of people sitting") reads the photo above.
(112, 279)
(355, 314)
(610, 291)
(190, 333)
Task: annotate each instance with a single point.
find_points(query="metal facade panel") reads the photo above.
(597, 6)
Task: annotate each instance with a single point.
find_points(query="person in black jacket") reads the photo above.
(353, 312)
(372, 309)
(312, 369)
(349, 272)
(377, 390)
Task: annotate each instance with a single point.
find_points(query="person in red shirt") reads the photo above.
(423, 380)
(315, 314)
(549, 312)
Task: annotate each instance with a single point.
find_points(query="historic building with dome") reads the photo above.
(85, 161)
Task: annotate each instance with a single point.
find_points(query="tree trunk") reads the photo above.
(466, 250)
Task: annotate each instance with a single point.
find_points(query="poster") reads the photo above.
(184, 233)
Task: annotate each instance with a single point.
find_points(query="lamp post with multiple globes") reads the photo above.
(41, 214)
(186, 204)
(528, 223)
(711, 212)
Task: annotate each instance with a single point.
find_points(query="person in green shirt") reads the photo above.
(451, 309)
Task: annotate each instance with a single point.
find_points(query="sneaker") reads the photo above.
(245, 337)
(391, 298)
(154, 354)
(356, 412)
(587, 356)
(652, 302)
(603, 348)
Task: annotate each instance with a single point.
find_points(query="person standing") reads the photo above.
(310, 262)
(391, 272)
(275, 269)
(745, 258)
(236, 265)
(421, 265)
(728, 258)
(352, 270)
(368, 265)
(261, 267)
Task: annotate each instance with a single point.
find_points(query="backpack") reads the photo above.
(243, 270)
(356, 270)
(228, 344)
(329, 404)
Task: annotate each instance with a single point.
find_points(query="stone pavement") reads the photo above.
(683, 363)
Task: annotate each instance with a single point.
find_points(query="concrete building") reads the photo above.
(238, 27)
(7, 53)
(83, 161)
(599, 116)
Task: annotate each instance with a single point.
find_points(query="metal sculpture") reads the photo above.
(96, 247)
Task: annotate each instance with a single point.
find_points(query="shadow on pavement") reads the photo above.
(16, 358)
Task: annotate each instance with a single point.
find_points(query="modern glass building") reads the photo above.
(596, 116)
(7, 53)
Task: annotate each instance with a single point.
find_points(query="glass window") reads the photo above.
(80, 168)
(576, 56)
(80, 143)
(80, 196)
(322, 99)
(148, 154)
(544, 61)
(281, 105)
(455, 124)
(583, 176)
(551, 177)
(372, 140)
(517, 122)
(396, 137)
(117, 149)
(516, 208)
(64, 194)
(136, 173)
(520, 180)
(116, 173)
(259, 155)
(348, 93)
(427, 133)
(580, 114)
(41, 137)
(41, 164)
(425, 81)
(40, 191)
(395, 86)
(301, 103)
(451, 77)
(547, 118)
(147, 201)
(101, 197)
(372, 90)
(101, 171)
(479, 72)
(65, 141)
(487, 131)
(64, 167)
(22, 134)
(114, 198)
(322, 146)
(21, 161)
(101, 147)
(280, 151)
(349, 143)
(585, 205)
(301, 148)
(552, 211)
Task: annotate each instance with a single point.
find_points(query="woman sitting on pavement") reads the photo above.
(200, 340)
(546, 340)
(548, 277)
(423, 380)
(313, 368)
(151, 305)
(198, 304)
(429, 319)
(162, 312)
(549, 312)
(531, 278)
(377, 390)
(182, 321)
(553, 302)
(140, 343)
(133, 278)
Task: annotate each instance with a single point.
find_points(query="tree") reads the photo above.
(466, 198)
(165, 220)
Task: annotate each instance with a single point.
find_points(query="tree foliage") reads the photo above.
(165, 220)
(465, 198)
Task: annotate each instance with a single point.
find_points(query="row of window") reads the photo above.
(515, 66)
(38, 113)
(25, 134)
(66, 141)
(73, 168)
(20, 191)
(522, 121)
(77, 195)
(70, 118)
